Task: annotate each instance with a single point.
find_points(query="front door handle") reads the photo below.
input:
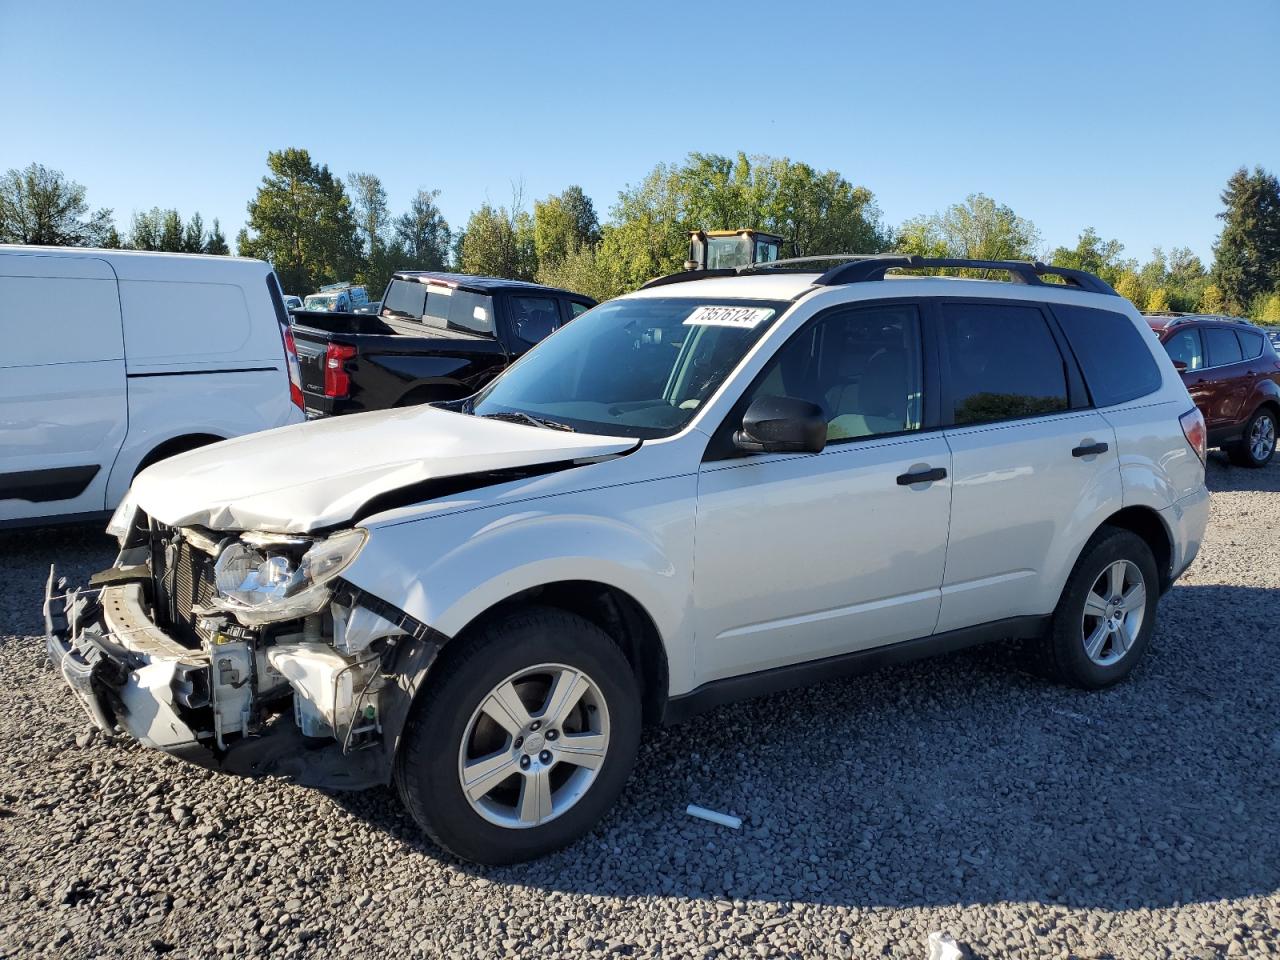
(922, 476)
(1089, 450)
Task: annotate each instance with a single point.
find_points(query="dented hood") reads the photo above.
(315, 475)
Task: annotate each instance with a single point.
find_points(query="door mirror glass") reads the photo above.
(782, 425)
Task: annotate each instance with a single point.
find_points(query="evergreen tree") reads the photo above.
(301, 221)
(41, 206)
(1247, 254)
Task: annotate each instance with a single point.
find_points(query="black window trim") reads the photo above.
(721, 447)
(1077, 394)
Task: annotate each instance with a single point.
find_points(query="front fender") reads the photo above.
(447, 570)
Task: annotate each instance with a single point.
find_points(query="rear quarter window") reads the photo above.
(1114, 356)
(1250, 343)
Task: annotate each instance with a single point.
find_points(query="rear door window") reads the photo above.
(1250, 343)
(1223, 346)
(1186, 346)
(1002, 363)
(1115, 357)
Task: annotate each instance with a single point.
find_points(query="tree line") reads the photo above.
(316, 227)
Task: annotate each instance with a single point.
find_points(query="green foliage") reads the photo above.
(978, 229)
(1130, 286)
(158, 229)
(380, 256)
(1092, 253)
(301, 220)
(1247, 254)
(499, 242)
(41, 206)
(562, 223)
(216, 242)
(1158, 302)
(1212, 300)
(1266, 309)
(422, 234)
(582, 270)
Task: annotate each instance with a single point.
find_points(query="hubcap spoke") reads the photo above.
(535, 796)
(582, 749)
(505, 708)
(1116, 578)
(481, 776)
(1093, 645)
(1094, 605)
(1135, 599)
(567, 689)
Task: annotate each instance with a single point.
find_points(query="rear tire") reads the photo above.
(1101, 628)
(1258, 445)
(541, 768)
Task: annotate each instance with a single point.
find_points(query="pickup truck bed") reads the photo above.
(354, 362)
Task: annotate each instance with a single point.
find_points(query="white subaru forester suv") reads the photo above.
(722, 485)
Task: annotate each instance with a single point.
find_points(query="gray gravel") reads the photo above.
(958, 794)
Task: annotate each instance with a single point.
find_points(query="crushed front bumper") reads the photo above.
(131, 678)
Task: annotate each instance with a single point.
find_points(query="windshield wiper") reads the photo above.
(519, 416)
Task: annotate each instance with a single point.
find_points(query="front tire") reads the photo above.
(1258, 444)
(523, 739)
(1104, 620)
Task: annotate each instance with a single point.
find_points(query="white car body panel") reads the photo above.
(317, 474)
(118, 352)
(801, 557)
(1022, 509)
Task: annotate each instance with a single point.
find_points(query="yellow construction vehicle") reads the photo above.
(721, 249)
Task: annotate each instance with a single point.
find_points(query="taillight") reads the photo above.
(336, 381)
(1193, 427)
(291, 364)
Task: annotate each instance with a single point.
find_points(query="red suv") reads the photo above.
(1233, 374)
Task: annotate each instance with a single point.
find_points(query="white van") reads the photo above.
(114, 360)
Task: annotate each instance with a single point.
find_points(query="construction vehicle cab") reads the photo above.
(718, 249)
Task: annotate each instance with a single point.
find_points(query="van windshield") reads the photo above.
(631, 368)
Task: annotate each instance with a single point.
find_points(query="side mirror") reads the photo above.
(782, 425)
(1180, 366)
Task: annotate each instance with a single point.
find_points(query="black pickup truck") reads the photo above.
(438, 336)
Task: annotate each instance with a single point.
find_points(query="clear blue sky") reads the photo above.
(1125, 116)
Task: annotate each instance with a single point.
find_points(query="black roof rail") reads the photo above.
(862, 268)
(1020, 271)
(686, 275)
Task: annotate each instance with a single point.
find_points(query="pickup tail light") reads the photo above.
(1193, 427)
(336, 381)
(291, 364)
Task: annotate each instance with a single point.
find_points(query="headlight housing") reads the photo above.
(266, 585)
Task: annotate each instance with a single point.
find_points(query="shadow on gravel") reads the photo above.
(1222, 476)
(961, 780)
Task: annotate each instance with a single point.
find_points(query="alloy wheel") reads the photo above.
(1262, 438)
(534, 746)
(1114, 610)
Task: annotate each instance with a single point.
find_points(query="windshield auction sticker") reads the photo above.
(745, 317)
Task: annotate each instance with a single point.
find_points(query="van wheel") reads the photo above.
(1258, 444)
(1106, 615)
(523, 740)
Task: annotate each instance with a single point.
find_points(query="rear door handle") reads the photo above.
(922, 476)
(1089, 450)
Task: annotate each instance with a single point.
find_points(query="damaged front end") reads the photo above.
(245, 653)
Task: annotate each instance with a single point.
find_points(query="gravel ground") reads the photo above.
(957, 794)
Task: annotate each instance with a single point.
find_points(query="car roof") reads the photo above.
(1164, 321)
(480, 284)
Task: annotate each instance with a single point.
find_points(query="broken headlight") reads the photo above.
(265, 585)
